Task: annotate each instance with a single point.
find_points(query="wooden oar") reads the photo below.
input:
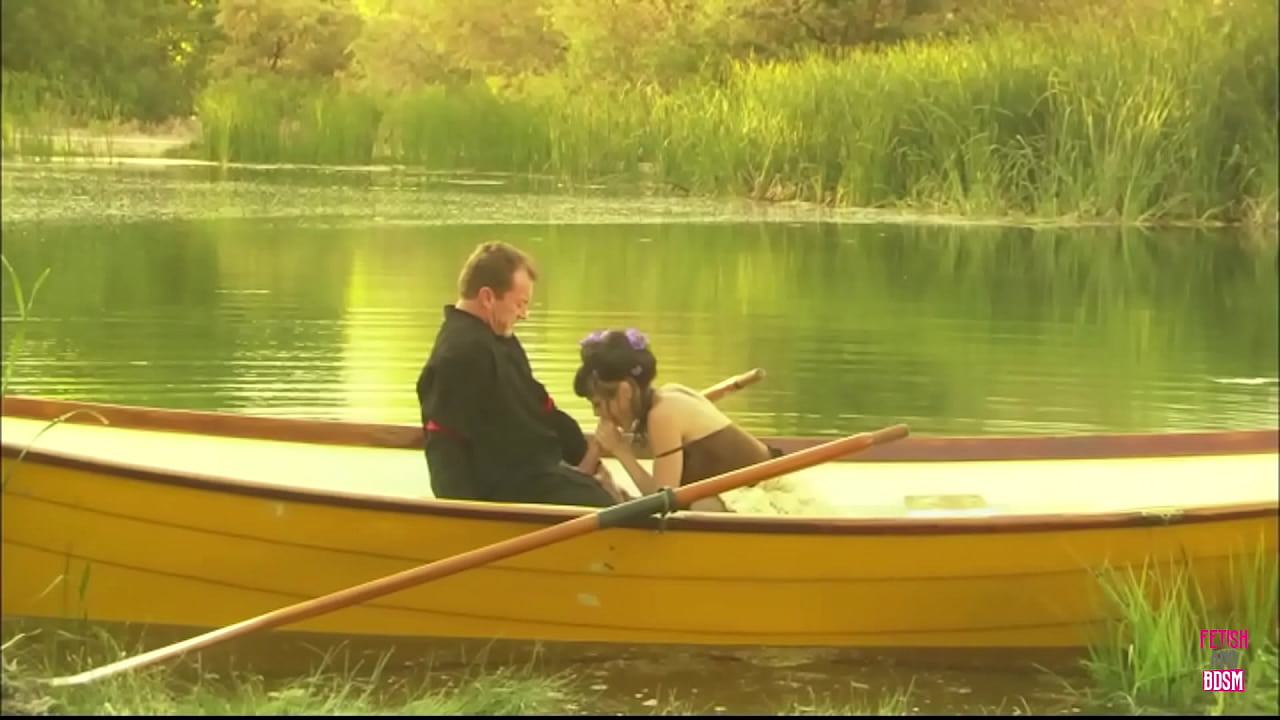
(733, 384)
(664, 501)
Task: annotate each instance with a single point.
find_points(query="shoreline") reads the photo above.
(178, 145)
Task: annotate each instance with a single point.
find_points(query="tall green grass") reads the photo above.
(36, 114)
(262, 119)
(1150, 660)
(1153, 112)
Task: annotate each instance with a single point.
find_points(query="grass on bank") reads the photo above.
(329, 690)
(333, 688)
(1150, 660)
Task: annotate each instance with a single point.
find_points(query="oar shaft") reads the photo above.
(609, 517)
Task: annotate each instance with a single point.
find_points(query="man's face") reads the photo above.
(512, 307)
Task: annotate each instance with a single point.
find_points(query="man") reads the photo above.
(492, 431)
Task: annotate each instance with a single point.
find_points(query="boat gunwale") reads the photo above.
(914, 448)
(685, 520)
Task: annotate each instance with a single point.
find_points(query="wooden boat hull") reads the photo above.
(95, 537)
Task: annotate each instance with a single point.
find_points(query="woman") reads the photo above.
(691, 439)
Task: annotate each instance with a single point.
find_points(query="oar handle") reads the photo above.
(733, 384)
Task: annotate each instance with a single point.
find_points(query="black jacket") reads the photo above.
(490, 425)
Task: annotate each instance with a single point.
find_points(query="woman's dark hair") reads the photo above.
(612, 356)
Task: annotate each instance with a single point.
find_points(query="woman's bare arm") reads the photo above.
(665, 438)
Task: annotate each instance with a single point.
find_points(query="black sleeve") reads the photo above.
(459, 390)
(455, 394)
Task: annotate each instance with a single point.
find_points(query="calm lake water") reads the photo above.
(317, 293)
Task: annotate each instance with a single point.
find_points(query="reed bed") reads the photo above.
(36, 114)
(1156, 112)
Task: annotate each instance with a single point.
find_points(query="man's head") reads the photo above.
(496, 285)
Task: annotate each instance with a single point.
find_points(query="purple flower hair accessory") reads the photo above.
(637, 339)
(595, 336)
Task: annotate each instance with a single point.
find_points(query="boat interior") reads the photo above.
(869, 489)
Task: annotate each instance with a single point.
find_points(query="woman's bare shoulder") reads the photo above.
(683, 395)
(683, 401)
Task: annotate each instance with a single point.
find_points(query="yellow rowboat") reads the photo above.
(203, 519)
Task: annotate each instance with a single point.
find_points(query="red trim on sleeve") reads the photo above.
(433, 426)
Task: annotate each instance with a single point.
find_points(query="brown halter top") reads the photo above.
(719, 452)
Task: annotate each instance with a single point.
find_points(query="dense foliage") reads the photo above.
(149, 59)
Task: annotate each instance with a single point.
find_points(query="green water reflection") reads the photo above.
(951, 329)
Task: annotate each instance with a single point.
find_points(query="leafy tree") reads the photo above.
(665, 39)
(147, 57)
(409, 42)
(496, 37)
(397, 52)
(295, 38)
(636, 39)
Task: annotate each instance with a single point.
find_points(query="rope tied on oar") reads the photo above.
(661, 503)
(668, 507)
(577, 526)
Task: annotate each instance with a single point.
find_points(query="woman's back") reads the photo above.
(712, 443)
